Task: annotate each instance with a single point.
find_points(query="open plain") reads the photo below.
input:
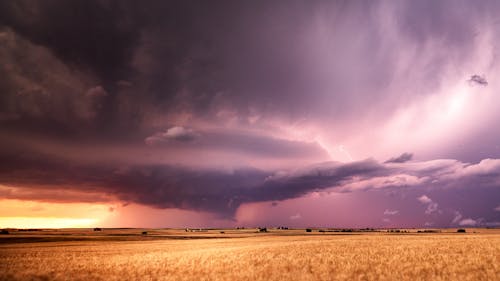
(168, 254)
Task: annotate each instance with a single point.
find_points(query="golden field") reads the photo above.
(248, 255)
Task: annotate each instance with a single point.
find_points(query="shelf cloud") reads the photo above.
(218, 107)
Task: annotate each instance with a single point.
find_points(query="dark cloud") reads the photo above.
(43, 95)
(274, 58)
(180, 80)
(401, 158)
(169, 186)
(222, 191)
(100, 35)
(92, 43)
(478, 80)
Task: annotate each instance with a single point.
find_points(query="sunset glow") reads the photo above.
(39, 214)
(46, 222)
(244, 113)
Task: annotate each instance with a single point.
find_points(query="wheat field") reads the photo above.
(278, 255)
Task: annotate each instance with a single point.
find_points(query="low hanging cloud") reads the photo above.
(223, 191)
(468, 222)
(431, 205)
(457, 218)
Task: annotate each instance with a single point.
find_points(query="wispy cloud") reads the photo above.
(388, 212)
(401, 158)
(431, 205)
(457, 218)
(176, 133)
(478, 80)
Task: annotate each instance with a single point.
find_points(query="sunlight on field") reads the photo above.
(374, 256)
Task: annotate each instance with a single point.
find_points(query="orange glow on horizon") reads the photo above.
(46, 222)
(33, 214)
(16, 213)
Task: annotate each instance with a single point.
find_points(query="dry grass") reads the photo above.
(282, 255)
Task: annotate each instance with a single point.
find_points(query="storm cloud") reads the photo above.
(213, 106)
(222, 191)
(208, 61)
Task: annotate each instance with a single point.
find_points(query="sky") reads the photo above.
(249, 113)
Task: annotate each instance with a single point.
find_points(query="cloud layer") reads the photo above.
(223, 191)
(216, 106)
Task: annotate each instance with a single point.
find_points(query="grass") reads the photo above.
(246, 255)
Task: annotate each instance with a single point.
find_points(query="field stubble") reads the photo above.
(368, 256)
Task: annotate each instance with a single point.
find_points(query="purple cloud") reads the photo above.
(424, 199)
(467, 222)
(457, 218)
(176, 133)
(216, 106)
(431, 205)
(224, 191)
(401, 159)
